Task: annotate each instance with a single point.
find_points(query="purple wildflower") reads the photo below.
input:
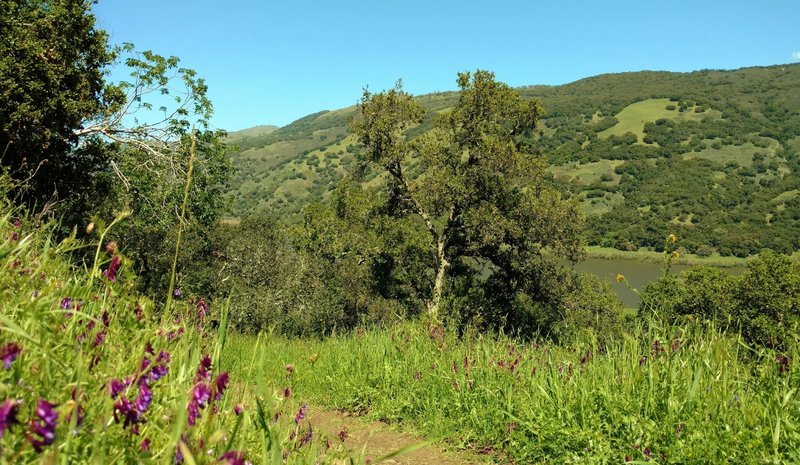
(8, 414)
(144, 446)
(237, 409)
(43, 432)
(143, 399)
(99, 338)
(111, 272)
(202, 309)
(125, 410)
(115, 387)
(646, 452)
(204, 369)
(9, 353)
(66, 303)
(200, 396)
(176, 292)
(233, 457)
(301, 414)
(287, 393)
(221, 383)
(306, 437)
(158, 372)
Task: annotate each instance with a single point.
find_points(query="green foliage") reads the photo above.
(661, 394)
(763, 303)
(51, 76)
(744, 111)
(480, 199)
(83, 332)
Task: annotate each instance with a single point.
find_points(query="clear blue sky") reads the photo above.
(269, 62)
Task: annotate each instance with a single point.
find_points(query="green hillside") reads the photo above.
(709, 155)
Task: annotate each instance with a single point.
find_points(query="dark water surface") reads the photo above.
(638, 274)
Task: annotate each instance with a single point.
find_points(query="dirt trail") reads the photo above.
(381, 439)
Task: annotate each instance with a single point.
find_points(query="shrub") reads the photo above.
(763, 303)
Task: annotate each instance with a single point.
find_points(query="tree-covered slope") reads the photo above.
(710, 155)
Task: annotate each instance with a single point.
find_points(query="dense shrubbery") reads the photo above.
(763, 303)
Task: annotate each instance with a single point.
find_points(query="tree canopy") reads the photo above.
(479, 192)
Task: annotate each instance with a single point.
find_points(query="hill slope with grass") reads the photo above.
(710, 155)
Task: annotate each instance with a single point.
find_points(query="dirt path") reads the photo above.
(380, 439)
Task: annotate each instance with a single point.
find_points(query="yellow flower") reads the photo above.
(676, 254)
(620, 278)
(672, 238)
(89, 228)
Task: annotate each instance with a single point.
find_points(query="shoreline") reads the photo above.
(650, 256)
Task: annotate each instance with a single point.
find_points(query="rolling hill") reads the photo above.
(712, 155)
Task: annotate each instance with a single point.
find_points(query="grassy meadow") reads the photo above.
(687, 394)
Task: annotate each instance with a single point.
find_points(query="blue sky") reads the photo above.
(272, 62)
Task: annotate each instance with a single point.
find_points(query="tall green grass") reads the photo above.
(659, 395)
(70, 335)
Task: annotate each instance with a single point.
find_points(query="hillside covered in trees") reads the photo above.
(709, 155)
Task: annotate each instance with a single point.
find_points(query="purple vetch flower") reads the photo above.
(176, 292)
(287, 393)
(158, 372)
(646, 453)
(221, 383)
(99, 338)
(9, 352)
(115, 387)
(178, 454)
(200, 397)
(111, 272)
(204, 369)
(8, 414)
(66, 303)
(202, 309)
(233, 457)
(143, 399)
(301, 414)
(144, 446)
(306, 437)
(43, 432)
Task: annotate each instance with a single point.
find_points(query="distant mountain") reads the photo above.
(711, 155)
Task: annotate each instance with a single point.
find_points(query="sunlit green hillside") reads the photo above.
(712, 155)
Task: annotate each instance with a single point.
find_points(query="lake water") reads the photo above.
(637, 273)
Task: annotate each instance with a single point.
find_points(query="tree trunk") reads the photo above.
(438, 285)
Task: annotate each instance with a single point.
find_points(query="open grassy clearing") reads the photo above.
(633, 117)
(587, 173)
(740, 154)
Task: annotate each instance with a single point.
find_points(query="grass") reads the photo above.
(587, 173)
(79, 331)
(633, 117)
(667, 395)
(645, 255)
(741, 154)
